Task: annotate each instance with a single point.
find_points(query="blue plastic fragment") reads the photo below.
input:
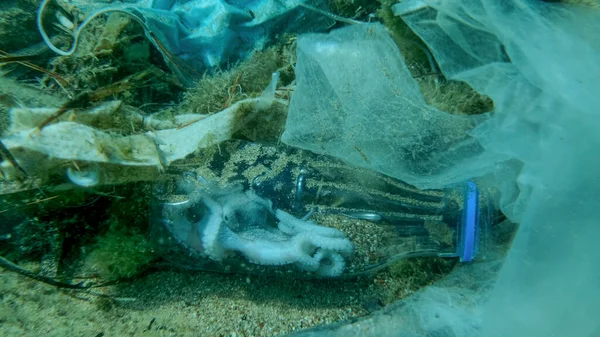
(204, 34)
(213, 33)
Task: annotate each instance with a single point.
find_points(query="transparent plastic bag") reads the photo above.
(538, 62)
(356, 99)
(199, 35)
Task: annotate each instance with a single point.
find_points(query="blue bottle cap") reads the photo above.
(470, 223)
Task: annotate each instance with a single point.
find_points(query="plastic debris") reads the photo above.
(356, 99)
(81, 137)
(203, 33)
(538, 62)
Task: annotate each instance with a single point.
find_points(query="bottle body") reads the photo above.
(348, 221)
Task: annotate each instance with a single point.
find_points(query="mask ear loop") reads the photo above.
(95, 14)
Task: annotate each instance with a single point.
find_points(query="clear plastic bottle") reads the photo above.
(452, 222)
(252, 190)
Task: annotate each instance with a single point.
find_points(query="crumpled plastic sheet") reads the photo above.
(538, 62)
(355, 99)
(79, 138)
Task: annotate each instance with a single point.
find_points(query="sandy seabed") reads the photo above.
(172, 303)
